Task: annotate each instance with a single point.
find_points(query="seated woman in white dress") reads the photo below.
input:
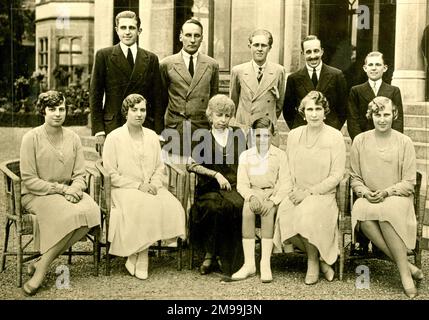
(383, 171)
(143, 211)
(52, 168)
(258, 182)
(308, 215)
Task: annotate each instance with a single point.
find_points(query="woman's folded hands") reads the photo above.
(73, 194)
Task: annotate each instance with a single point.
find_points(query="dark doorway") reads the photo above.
(331, 21)
(122, 5)
(182, 12)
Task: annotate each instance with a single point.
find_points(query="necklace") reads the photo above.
(59, 148)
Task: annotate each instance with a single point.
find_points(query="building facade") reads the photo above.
(64, 40)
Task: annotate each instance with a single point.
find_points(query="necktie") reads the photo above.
(130, 58)
(374, 87)
(314, 78)
(260, 74)
(191, 66)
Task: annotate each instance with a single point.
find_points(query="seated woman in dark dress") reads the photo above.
(216, 213)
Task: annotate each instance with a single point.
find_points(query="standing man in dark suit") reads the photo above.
(189, 79)
(316, 75)
(119, 71)
(362, 94)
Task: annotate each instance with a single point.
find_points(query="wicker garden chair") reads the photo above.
(345, 227)
(24, 223)
(102, 195)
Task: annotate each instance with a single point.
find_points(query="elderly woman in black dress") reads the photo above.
(216, 213)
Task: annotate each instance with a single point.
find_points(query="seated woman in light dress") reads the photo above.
(143, 210)
(308, 215)
(258, 182)
(383, 171)
(52, 168)
(216, 213)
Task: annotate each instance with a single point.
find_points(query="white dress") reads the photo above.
(318, 168)
(139, 219)
(391, 168)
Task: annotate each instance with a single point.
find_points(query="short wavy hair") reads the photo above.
(130, 101)
(220, 103)
(49, 99)
(261, 32)
(379, 104)
(127, 14)
(318, 98)
(263, 123)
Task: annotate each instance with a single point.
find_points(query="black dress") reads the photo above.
(216, 215)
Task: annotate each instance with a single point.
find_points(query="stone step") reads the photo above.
(88, 141)
(416, 121)
(422, 166)
(90, 154)
(422, 150)
(416, 108)
(417, 134)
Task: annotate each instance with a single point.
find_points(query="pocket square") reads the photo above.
(275, 92)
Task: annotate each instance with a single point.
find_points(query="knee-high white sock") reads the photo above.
(265, 266)
(249, 266)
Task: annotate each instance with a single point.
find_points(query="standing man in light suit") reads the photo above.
(119, 71)
(189, 79)
(257, 87)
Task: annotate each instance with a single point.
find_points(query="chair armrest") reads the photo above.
(12, 188)
(93, 183)
(177, 180)
(343, 196)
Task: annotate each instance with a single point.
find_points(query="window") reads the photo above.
(43, 55)
(69, 56)
(215, 16)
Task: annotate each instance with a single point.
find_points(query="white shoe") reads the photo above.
(141, 274)
(266, 275)
(244, 273)
(142, 265)
(131, 264)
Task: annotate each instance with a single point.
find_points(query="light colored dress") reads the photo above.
(259, 176)
(139, 219)
(318, 168)
(391, 168)
(43, 168)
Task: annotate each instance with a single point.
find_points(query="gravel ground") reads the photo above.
(165, 282)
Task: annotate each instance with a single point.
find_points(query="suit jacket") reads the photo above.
(112, 76)
(359, 98)
(186, 97)
(331, 83)
(254, 100)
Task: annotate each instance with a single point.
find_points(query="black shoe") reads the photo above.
(206, 267)
(359, 251)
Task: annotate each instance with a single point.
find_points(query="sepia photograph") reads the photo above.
(232, 151)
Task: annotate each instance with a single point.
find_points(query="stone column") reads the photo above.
(157, 19)
(103, 24)
(296, 27)
(409, 74)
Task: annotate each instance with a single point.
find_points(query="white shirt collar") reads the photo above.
(318, 69)
(133, 48)
(221, 136)
(377, 83)
(186, 56)
(257, 66)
